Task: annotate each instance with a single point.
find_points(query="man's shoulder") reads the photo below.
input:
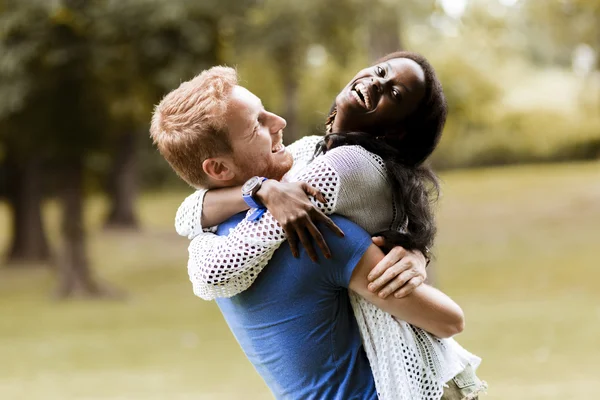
(355, 239)
(346, 252)
(349, 227)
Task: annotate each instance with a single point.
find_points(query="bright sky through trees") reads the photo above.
(456, 8)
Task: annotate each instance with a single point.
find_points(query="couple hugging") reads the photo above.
(357, 322)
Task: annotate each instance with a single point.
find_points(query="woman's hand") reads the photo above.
(400, 272)
(291, 207)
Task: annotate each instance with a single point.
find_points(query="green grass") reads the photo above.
(517, 249)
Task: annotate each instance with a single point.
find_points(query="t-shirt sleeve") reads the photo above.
(346, 251)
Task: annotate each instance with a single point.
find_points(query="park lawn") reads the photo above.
(517, 249)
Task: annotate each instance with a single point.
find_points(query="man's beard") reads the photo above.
(249, 168)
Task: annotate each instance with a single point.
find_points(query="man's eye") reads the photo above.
(380, 71)
(397, 95)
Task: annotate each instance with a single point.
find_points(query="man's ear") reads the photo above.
(218, 169)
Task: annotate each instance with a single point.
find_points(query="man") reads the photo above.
(295, 323)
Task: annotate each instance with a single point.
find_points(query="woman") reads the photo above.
(384, 124)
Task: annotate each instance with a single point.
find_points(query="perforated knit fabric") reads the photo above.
(303, 150)
(407, 362)
(188, 217)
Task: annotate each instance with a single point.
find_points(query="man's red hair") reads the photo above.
(188, 125)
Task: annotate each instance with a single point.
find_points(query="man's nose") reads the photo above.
(276, 123)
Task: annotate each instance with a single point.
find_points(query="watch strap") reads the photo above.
(250, 198)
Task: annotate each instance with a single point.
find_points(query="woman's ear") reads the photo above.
(218, 169)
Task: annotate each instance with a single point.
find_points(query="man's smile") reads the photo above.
(277, 148)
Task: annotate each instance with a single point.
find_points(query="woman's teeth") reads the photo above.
(361, 94)
(357, 98)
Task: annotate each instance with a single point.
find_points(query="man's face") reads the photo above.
(256, 138)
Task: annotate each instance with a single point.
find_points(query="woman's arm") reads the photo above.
(426, 307)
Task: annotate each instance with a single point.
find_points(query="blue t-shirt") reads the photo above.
(296, 325)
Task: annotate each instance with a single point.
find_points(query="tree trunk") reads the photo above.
(122, 184)
(75, 276)
(383, 30)
(25, 192)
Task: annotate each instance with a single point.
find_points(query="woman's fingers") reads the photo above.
(305, 240)
(318, 216)
(292, 239)
(316, 234)
(316, 193)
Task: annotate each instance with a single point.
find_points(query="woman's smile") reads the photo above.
(363, 95)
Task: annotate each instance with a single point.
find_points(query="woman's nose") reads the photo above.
(377, 84)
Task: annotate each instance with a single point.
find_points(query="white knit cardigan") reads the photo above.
(407, 362)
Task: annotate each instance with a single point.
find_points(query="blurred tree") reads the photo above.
(566, 26)
(80, 77)
(144, 48)
(24, 190)
(77, 123)
(383, 28)
(562, 25)
(21, 131)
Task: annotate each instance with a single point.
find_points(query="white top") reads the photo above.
(407, 362)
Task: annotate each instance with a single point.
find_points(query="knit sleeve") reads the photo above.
(302, 150)
(188, 220)
(363, 192)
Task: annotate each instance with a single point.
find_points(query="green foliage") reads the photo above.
(566, 23)
(74, 75)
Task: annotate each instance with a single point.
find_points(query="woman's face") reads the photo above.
(380, 96)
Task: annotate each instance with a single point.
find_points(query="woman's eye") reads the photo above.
(397, 95)
(380, 71)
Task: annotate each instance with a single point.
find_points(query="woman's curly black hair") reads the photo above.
(416, 185)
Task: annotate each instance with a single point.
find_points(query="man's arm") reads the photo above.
(221, 204)
(426, 307)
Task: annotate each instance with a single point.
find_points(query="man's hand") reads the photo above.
(400, 272)
(291, 207)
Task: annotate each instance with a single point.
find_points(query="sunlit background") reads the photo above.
(95, 301)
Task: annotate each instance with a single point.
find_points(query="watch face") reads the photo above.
(250, 184)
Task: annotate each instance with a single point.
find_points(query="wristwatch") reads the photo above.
(249, 190)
